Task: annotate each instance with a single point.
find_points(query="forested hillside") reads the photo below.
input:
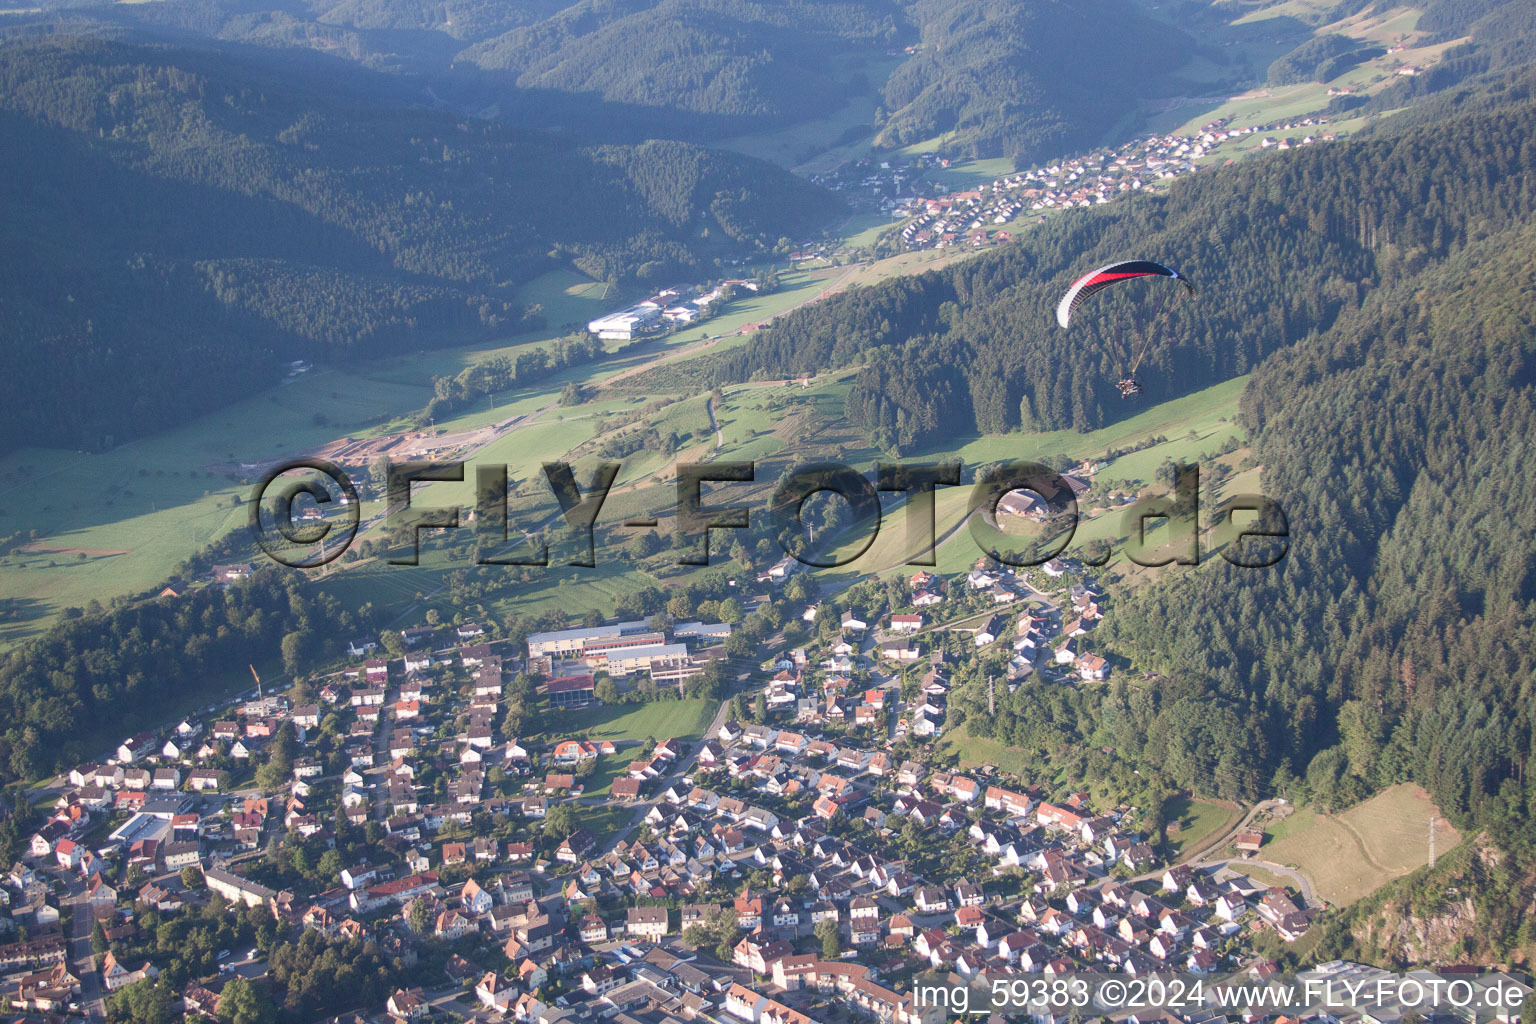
(101, 674)
(1026, 80)
(181, 220)
(1396, 640)
(616, 70)
(1280, 247)
(1497, 40)
(734, 59)
(1383, 293)
(994, 77)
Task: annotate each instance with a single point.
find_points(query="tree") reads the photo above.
(192, 877)
(730, 611)
(274, 774)
(559, 823)
(759, 709)
(392, 642)
(710, 683)
(516, 718)
(243, 1003)
(719, 930)
(607, 691)
(740, 555)
(831, 938)
(644, 545)
(143, 1002)
(296, 648)
(329, 865)
(419, 916)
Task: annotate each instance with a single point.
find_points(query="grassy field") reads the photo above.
(863, 229)
(609, 767)
(1200, 411)
(1207, 414)
(602, 821)
(968, 174)
(916, 261)
(1350, 855)
(151, 503)
(633, 723)
(1201, 820)
(757, 422)
(974, 751)
(406, 592)
(568, 297)
(1205, 433)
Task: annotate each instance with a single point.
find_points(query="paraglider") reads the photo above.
(1128, 352)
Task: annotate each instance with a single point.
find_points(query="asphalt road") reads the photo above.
(81, 960)
(1239, 864)
(1207, 858)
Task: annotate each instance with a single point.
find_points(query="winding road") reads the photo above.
(1205, 859)
(714, 424)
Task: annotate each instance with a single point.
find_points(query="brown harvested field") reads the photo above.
(1350, 855)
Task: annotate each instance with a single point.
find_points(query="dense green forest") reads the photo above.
(1394, 642)
(734, 59)
(101, 674)
(987, 77)
(1026, 80)
(994, 77)
(180, 221)
(1498, 48)
(1397, 435)
(609, 70)
(1302, 63)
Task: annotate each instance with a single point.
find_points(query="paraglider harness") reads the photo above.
(1128, 351)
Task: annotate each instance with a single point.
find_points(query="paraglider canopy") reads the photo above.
(1127, 353)
(1111, 273)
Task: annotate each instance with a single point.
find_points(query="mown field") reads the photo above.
(1199, 821)
(632, 723)
(1349, 855)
